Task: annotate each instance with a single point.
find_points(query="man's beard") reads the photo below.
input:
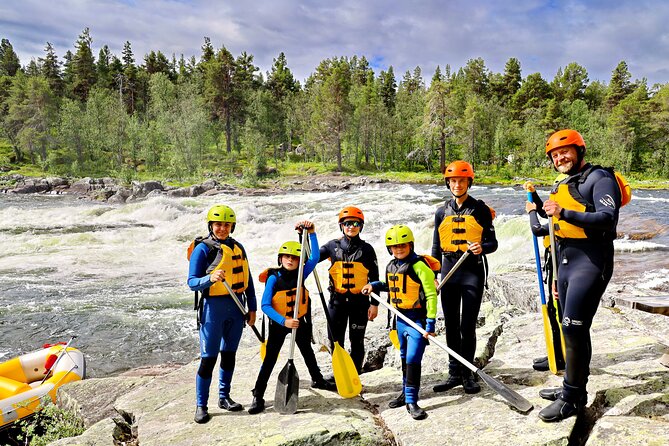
(566, 167)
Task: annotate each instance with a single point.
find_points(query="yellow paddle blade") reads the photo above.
(394, 339)
(345, 374)
(263, 350)
(548, 336)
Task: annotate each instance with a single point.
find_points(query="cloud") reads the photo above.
(543, 35)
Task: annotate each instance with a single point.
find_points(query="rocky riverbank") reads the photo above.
(113, 191)
(628, 401)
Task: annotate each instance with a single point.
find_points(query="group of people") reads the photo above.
(583, 207)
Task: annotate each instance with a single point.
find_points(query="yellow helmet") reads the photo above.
(397, 235)
(291, 248)
(221, 212)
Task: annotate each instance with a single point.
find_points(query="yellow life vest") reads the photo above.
(456, 230)
(405, 290)
(567, 196)
(236, 267)
(348, 277)
(285, 293)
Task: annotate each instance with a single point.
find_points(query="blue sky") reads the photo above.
(543, 35)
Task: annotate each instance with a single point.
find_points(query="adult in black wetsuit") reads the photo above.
(354, 265)
(584, 211)
(462, 224)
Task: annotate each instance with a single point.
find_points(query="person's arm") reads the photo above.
(314, 257)
(250, 291)
(325, 252)
(488, 239)
(605, 194)
(266, 303)
(197, 279)
(538, 229)
(372, 265)
(436, 242)
(426, 276)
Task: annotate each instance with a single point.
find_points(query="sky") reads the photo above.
(543, 35)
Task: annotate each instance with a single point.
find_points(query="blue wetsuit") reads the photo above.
(221, 324)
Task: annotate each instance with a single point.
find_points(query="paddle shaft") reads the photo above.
(551, 232)
(320, 292)
(452, 271)
(60, 355)
(298, 296)
(260, 337)
(537, 259)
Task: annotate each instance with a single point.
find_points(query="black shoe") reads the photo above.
(201, 415)
(558, 410)
(542, 359)
(228, 404)
(397, 402)
(551, 394)
(257, 405)
(469, 384)
(323, 384)
(451, 381)
(416, 412)
(541, 365)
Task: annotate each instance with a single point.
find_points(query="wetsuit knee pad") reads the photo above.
(413, 375)
(228, 360)
(206, 367)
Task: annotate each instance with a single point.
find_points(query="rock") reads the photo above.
(140, 190)
(155, 193)
(209, 184)
(179, 192)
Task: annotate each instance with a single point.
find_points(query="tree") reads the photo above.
(388, 88)
(105, 78)
(9, 61)
(219, 90)
(505, 86)
(570, 84)
(532, 94)
(620, 85)
(477, 76)
(51, 69)
(280, 81)
(438, 116)
(83, 67)
(129, 79)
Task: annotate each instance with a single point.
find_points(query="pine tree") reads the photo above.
(103, 68)
(51, 69)
(9, 61)
(129, 78)
(83, 67)
(620, 85)
(388, 88)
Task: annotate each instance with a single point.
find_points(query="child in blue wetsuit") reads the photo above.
(215, 258)
(278, 303)
(411, 289)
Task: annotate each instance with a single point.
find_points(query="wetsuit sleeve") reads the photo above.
(266, 304)
(379, 287)
(426, 276)
(250, 291)
(536, 199)
(372, 265)
(311, 263)
(488, 238)
(198, 280)
(325, 252)
(601, 189)
(436, 242)
(538, 229)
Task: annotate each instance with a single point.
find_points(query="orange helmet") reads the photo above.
(351, 212)
(459, 169)
(564, 138)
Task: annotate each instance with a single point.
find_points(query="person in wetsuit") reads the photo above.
(462, 224)
(215, 258)
(584, 210)
(353, 265)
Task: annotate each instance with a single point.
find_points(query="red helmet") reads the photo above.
(459, 169)
(564, 138)
(351, 212)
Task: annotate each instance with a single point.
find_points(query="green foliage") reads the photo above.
(49, 423)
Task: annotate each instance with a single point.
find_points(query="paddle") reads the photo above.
(344, 371)
(551, 232)
(548, 331)
(514, 398)
(452, 271)
(288, 384)
(261, 338)
(394, 338)
(60, 355)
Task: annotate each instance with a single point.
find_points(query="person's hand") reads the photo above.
(475, 248)
(217, 276)
(429, 327)
(291, 323)
(251, 318)
(367, 289)
(372, 312)
(555, 291)
(306, 224)
(529, 186)
(552, 208)
(529, 207)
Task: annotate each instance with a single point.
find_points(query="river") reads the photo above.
(115, 275)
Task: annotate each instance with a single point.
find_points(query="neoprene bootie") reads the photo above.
(551, 394)
(451, 382)
(417, 413)
(399, 401)
(201, 415)
(469, 383)
(228, 404)
(323, 384)
(558, 410)
(257, 405)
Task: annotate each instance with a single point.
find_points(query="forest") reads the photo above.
(184, 117)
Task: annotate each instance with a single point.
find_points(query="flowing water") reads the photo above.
(116, 275)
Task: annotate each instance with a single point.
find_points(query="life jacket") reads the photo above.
(231, 260)
(405, 290)
(347, 272)
(285, 293)
(566, 194)
(459, 228)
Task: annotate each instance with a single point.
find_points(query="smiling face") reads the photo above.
(221, 229)
(401, 251)
(458, 186)
(289, 262)
(564, 158)
(351, 227)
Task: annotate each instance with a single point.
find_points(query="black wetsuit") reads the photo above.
(349, 308)
(585, 266)
(465, 288)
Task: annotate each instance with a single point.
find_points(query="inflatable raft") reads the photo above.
(23, 386)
